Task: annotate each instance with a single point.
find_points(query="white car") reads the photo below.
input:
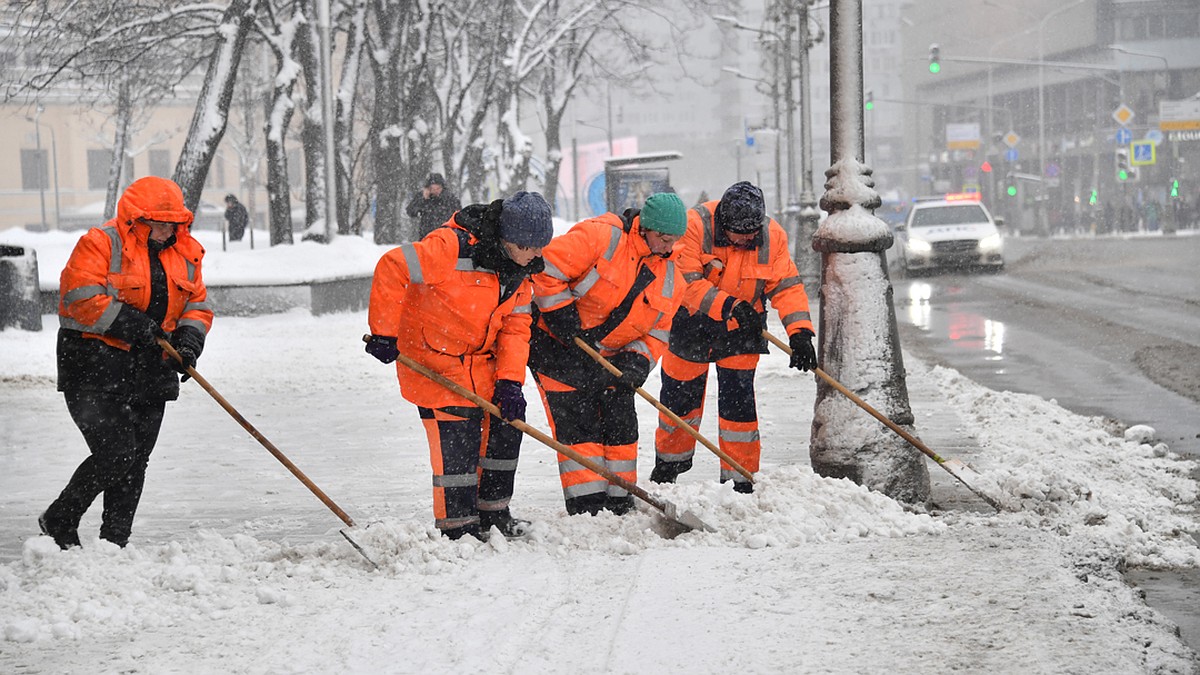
(949, 233)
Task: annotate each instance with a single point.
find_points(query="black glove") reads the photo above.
(509, 399)
(564, 322)
(747, 317)
(634, 367)
(804, 357)
(383, 348)
(135, 327)
(189, 342)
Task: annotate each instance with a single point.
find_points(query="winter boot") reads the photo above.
(619, 505)
(65, 537)
(456, 533)
(667, 472)
(511, 528)
(589, 504)
(743, 486)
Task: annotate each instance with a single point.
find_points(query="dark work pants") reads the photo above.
(120, 433)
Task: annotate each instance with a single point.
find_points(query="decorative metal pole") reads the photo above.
(859, 341)
(807, 261)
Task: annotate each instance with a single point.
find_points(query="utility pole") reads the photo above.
(859, 339)
(806, 258)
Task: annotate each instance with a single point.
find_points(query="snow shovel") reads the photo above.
(686, 521)
(272, 449)
(665, 410)
(957, 468)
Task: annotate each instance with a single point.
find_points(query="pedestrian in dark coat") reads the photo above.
(126, 285)
(432, 205)
(236, 216)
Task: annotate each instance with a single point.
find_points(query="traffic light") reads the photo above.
(1175, 188)
(870, 101)
(1094, 198)
(1011, 190)
(1123, 169)
(935, 59)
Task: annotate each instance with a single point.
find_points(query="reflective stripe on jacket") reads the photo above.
(715, 271)
(595, 265)
(450, 316)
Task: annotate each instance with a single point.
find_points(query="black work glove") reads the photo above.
(634, 368)
(383, 348)
(564, 322)
(135, 327)
(189, 342)
(509, 399)
(804, 357)
(747, 317)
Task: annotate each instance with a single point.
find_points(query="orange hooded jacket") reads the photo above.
(110, 266)
(450, 316)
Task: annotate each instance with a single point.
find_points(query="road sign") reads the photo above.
(1052, 170)
(1123, 114)
(1154, 136)
(1141, 153)
(1124, 136)
(1010, 155)
(1011, 139)
(1179, 115)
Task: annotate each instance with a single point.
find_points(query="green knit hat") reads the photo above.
(664, 212)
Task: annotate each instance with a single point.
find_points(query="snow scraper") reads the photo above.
(957, 468)
(273, 450)
(679, 522)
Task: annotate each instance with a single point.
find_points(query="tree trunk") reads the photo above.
(212, 110)
(349, 222)
(120, 142)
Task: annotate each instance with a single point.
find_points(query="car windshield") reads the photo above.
(949, 215)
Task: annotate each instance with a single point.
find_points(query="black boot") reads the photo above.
(589, 504)
(743, 486)
(511, 528)
(460, 532)
(619, 505)
(667, 472)
(65, 537)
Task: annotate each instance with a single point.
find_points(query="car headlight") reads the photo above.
(990, 243)
(919, 247)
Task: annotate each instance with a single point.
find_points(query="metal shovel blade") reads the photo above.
(970, 478)
(358, 547)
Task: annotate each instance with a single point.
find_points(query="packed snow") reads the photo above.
(234, 566)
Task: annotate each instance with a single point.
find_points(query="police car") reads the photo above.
(954, 232)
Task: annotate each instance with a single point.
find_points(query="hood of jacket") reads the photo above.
(161, 199)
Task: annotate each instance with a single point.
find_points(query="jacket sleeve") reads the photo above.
(83, 285)
(197, 313)
(702, 296)
(512, 343)
(428, 261)
(414, 204)
(568, 258)
(785, 290)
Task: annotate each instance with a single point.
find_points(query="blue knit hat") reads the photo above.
(664, 212)
(525, 220)
(741, 209)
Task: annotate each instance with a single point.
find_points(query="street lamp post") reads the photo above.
(41, 163)
(774, 87)
(806, 258)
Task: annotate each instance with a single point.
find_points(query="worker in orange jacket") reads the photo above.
(734, 259)
(459, 303)
(613, 281)
(126, 284)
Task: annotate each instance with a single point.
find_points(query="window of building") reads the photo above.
(97, 168)
(34, 175)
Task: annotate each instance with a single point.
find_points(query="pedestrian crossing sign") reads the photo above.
(1141, 153)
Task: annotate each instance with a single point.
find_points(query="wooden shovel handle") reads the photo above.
(258, 436)
(676, 419)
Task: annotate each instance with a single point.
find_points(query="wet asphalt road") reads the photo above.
(1107, 326)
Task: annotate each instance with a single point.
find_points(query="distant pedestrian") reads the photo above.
(125, 286)
(432, 205)
(236, 217)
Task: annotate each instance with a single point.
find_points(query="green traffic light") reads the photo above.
(1174, 188)
(1123, 175)
(1012, 190)
(869, 105)
(1092, 199)
(935, 68)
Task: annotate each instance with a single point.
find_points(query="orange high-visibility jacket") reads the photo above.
(110, 266)
(714, 271)
(595, 265)
(450, 316)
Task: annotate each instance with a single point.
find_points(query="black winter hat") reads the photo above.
(741, 209)
(435, 179)
(525, 220)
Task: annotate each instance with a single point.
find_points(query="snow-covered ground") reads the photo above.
(235, 567)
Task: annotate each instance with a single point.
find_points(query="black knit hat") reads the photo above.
(435, 179)
(525, 220)
(741, 209)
